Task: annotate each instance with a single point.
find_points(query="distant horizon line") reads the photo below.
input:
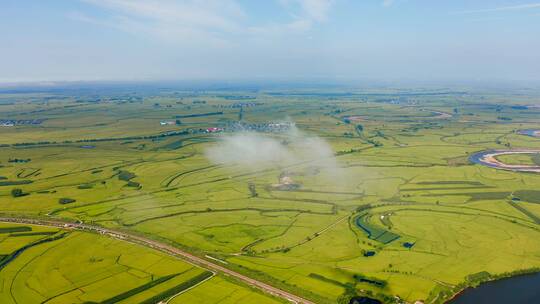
(270, 81)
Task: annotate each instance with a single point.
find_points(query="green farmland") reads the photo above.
(49, 265)
(294, 192)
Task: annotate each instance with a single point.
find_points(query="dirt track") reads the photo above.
(167, 249)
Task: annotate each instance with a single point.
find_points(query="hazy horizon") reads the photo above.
(303, 40)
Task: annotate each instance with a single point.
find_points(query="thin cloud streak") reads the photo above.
(200, 21)
(502, 9)
(387, 3)
(316, 9)
(206, 14)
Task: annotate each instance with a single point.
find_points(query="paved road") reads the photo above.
(167, 249)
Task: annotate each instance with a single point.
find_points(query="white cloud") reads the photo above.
(387, 3)
(304, 14)
(199, 21)
(296, 26)
(316, 9)
(503, 8)
(191, 22)
(214, 14)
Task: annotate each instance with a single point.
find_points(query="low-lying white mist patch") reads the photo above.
(259, 150)
(293, 152)
(249, 149)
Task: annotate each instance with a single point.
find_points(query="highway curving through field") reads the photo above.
(171, 250)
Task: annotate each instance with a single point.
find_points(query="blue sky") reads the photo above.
(269, 39)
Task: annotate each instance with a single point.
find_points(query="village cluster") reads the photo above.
(19, 122)
(270, 127)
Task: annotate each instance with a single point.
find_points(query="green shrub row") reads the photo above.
(32, 233)
(8, 258)
(167, 134)
(178, 288)
(137, 290)
(15, 229)
(126, 175)
(370, 280)
(66, 200)
(14, 183)
(327, 280)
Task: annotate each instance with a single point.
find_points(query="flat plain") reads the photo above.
(391, 208)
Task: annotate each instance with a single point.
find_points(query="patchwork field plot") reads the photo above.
(374, 232)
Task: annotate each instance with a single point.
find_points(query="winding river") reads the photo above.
(489, 158)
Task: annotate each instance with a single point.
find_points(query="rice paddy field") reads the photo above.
(372, 194)
(50, 265)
